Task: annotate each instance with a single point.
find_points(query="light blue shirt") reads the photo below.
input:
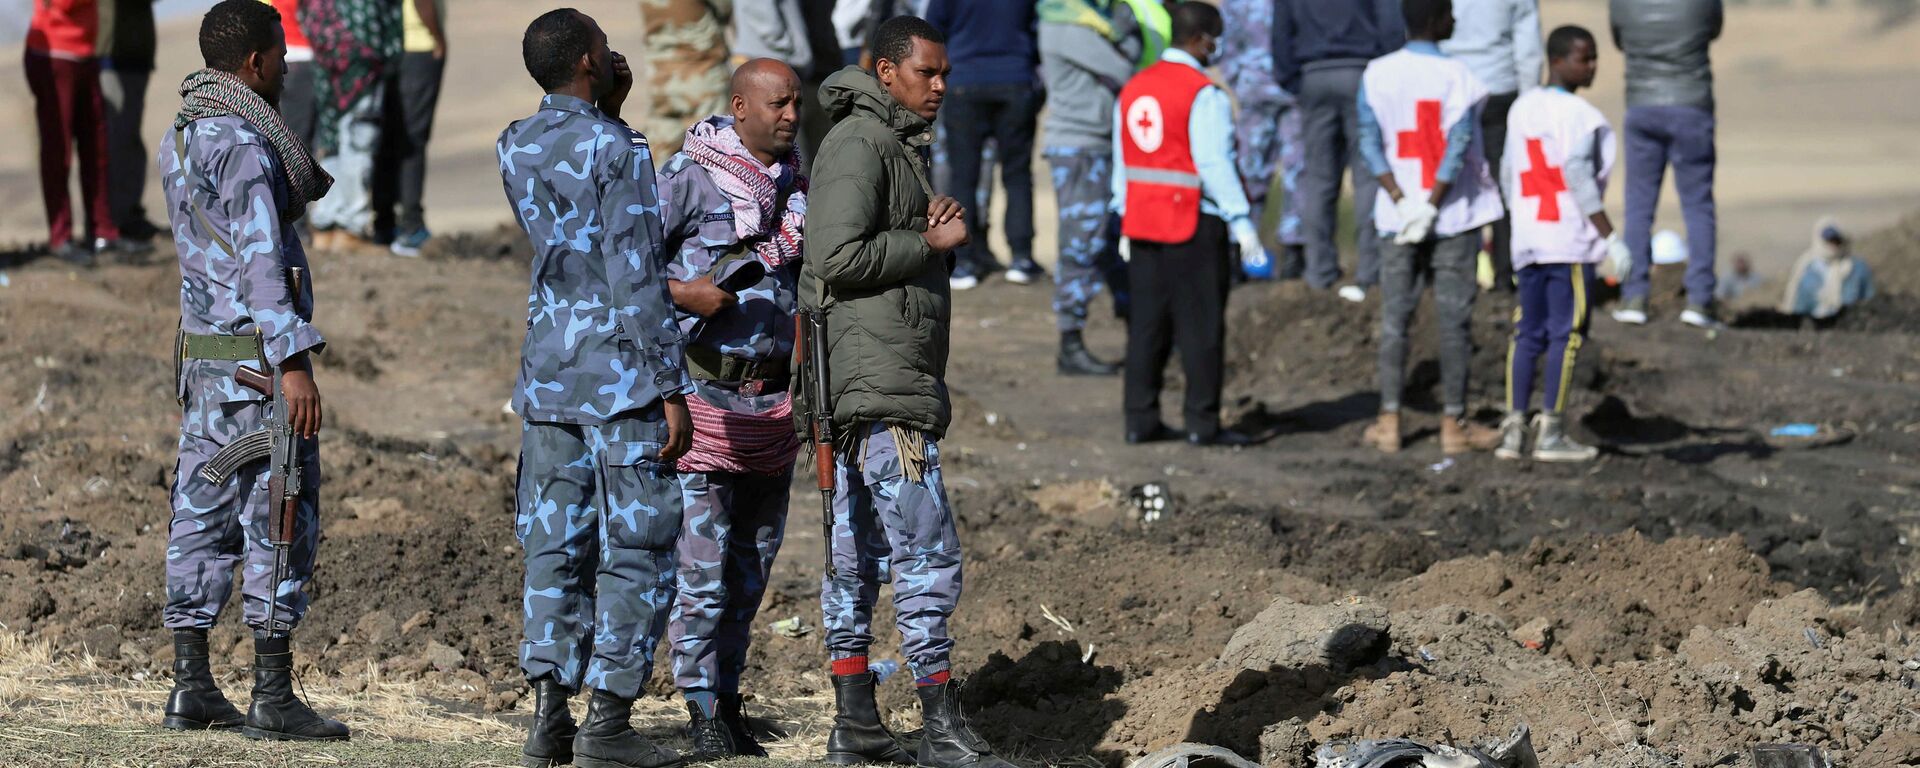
(1499, 40)
(1373, 145)
(1210, 138)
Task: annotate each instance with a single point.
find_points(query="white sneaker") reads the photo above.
(1353, 293)
(1700, 319)
(1630, 316)
(963, 282)
(1018, 276)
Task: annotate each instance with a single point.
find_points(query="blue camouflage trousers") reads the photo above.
(597, 517)
(1089, 252)
(733, 527)
(889, 525)
(1268, 136)
(216, 528)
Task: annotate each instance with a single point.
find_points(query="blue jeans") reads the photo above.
(1681, 137)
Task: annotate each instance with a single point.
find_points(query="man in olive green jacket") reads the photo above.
(878, 253)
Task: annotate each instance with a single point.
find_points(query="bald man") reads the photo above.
(734, 203)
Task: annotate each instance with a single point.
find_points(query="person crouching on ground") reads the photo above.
(1179, 196)
(878, 255)
(733, 203)
(236, 180)
(1419, 132)
(602, 392)
(1559, 155)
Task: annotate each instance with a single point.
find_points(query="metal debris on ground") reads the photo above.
(1789, 756)
(1187, 755)
(1151, 500)
(1516, 751)
(792, 627)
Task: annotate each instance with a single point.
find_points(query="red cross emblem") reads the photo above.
(1424, 143)
(1543, 180)
(1143, 124)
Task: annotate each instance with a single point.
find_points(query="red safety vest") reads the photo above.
(1163, 185)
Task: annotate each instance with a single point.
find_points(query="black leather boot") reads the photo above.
(712, 739)
(1076, 360)
(196, 702)
(733, 713)
(276, 713)
(858, 737)
(550, 737)
(947, 741)
(607, 738)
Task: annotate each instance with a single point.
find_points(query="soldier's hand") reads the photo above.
(942, 209)
(302, 397)
(679, 429)
(622, 85)
(701, 296)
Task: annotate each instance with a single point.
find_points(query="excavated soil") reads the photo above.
(1700, 587)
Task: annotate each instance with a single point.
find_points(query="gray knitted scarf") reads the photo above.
(212, 93)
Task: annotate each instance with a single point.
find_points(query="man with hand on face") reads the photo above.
(1179, 196)
(602, 391)
(733, 203)
(879, 251)
(236, 179)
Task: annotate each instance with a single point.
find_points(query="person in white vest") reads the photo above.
(1559, 155)
(1419, 133)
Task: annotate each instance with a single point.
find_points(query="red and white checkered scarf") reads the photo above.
(753, 188)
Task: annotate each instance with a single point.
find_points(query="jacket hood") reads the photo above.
(853, 90)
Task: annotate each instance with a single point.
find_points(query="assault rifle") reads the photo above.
(276, 443)
(810, 348)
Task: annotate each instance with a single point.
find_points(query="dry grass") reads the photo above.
(65, 710)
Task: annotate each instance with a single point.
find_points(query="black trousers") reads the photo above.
(1493, 134)
(401, 176)
(1008, 114)
(1179, 299)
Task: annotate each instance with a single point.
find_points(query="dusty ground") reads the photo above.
(1698, 589)
(1638, 577)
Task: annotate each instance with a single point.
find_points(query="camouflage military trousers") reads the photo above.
(217, 528)
(1089, 251)
(888, 525)
(597, 517)
(731, 535)
(1269, 140)
(684, 49)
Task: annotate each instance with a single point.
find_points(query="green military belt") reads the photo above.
(196, 346)
(708, 364)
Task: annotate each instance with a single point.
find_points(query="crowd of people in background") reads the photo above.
(363, 81)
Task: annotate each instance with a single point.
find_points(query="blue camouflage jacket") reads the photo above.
(601, 334)
(699, 231)
(233, 178)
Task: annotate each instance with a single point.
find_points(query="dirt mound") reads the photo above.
(1894, 253)
(1786, 672)
(1603, 599)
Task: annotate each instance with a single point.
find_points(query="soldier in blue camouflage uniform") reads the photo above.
(235, 181)
(601, 389)
(1267, 130)
(1086, 63)
(734, 203)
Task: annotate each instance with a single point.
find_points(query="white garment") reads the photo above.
(1553, 127)
(1396, 86)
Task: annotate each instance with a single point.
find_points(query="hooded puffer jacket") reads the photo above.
(884, 291)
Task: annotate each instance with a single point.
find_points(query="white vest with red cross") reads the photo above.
(1163, 184)
(1546, 127)
(1417, 98)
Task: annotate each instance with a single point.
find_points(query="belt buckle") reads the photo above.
(753, 387)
